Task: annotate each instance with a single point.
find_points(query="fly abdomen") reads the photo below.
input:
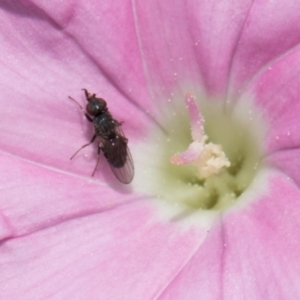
(115, 151)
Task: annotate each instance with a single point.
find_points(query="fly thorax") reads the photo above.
(104, 124)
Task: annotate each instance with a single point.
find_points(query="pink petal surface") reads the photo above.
(193, 42)
(106, 35)
(276, 91)
(34, 197)
(59, 243)
(270, 30)
(288, 162)
(168, 57)
(81, 262)
(249, 255)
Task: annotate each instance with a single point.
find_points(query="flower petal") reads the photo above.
(54, 225)
(276, 91)
(179, 54)
(34, 197)
(123, 252)
(200, 56)
(201, 278)
(109, 42)
(270, 31)
(287, 161)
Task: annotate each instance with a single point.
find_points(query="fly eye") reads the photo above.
(96, 106)
(92, 109)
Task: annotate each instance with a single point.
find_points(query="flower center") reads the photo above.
(208, 157)
(236, 130)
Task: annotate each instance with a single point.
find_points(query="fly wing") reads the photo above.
(126, 172)
(119, 157)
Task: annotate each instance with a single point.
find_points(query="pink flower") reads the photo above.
(168, 235)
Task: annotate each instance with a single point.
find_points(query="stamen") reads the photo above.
(209, 158)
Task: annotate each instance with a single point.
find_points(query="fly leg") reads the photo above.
(99, 151)
(85, 113)
(92, 140)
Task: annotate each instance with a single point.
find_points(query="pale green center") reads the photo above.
(239, 131)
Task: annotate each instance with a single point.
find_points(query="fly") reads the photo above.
(112, 141)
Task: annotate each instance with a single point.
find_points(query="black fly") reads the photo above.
(112, 141)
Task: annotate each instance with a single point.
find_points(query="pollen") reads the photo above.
(211, 160)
